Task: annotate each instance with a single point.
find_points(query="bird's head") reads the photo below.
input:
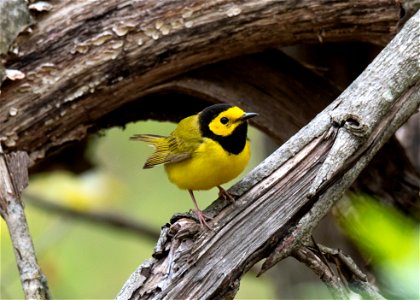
(223, 119)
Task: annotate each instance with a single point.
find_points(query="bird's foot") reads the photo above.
(202, 218)
(225, 195)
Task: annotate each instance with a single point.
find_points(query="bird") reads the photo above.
(204, 151)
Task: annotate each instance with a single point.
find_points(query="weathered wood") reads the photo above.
(112, 52)
(277, 87)
(286, 196)
(15, 17)
(13, 179)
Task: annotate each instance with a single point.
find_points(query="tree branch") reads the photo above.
(356, 279)
(284, 198)
(103, 218)
(13, 179)
(114, 51)
(311, 260)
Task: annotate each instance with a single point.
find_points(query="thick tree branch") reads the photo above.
(113, 51)
(286, 196)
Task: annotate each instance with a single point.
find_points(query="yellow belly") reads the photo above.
(209, 166)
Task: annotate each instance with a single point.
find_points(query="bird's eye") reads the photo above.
(224, 120)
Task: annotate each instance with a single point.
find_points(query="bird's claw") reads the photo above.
(202, 218)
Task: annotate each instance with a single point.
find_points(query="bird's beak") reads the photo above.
(247, 116)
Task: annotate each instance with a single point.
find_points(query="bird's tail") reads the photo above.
(161, 148)
(148, 138)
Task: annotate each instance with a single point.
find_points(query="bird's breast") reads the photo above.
(209, 166)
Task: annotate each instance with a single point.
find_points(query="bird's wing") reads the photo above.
(160, 143)
(185, 139)
(180, 145)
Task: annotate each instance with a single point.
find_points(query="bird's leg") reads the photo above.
(225, 195)
(200, 215)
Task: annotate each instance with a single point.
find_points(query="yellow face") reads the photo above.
(226, 122)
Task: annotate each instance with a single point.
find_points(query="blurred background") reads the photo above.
(83, 257)
(90, 260)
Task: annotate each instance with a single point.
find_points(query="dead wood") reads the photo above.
(13, 179)
(111, 53)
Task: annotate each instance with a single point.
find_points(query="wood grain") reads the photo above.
(85, 59)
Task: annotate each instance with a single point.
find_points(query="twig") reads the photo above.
(355, 277)
(13, 179)
(314, 262)
(349, 275)
(100, 218)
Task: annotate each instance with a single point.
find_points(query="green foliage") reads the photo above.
(389, 239)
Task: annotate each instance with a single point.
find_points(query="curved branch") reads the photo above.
(113, 51)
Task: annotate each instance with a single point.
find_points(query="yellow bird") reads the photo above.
(204, 151)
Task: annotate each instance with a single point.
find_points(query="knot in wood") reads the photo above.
(352, 122)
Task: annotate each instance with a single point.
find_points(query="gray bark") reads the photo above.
(13, 179)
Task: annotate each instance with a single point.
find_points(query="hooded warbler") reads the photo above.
(204, 151)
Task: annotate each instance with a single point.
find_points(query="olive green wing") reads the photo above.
(187, 136)
(174, 148)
